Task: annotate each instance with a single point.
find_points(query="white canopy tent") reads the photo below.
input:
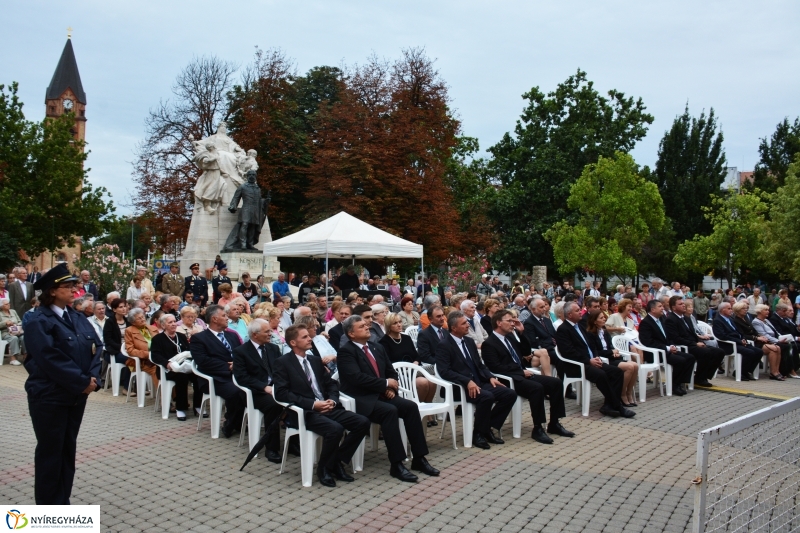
(343, 236)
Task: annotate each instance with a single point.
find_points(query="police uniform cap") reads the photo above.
(194, 265)
(55, 276)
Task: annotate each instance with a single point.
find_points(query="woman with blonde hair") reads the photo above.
(188, 324)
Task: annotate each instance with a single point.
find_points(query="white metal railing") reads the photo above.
(749, 473)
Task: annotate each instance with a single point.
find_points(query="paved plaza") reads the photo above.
(616, 475)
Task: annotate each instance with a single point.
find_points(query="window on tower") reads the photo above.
(52, 109)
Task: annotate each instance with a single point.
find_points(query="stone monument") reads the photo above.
(224, 164)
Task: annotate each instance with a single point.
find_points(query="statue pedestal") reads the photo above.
(253, 263)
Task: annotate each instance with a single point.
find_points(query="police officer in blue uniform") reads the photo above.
(64, 366)
(218, 280)
(197, 284)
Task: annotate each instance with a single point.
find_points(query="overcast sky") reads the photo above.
(739, 57)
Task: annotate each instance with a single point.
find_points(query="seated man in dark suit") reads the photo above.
(725, 330)
(782, 321)
(366, 374)
(680, 330)
(429, 338)
(541, 335)
(503, 354)
(212, 350)
(336, 333)
(653, 333)
(458, 361)
(254, 368)
(573, 345)
(303, 381)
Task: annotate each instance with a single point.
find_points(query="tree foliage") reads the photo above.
(617, 210)
(782, 236)
(737, 222)
(557, 135)
(45, 195)
(775, 156)
(690, 168)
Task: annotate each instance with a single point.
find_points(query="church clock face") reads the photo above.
(67, 104)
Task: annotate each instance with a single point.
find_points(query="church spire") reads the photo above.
(66, 76)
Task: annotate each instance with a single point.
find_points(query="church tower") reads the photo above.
(65, 94)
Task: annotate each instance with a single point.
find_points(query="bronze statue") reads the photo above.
(247, 232)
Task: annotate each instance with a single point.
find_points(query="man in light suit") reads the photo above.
(301, 379)
(366, 374)
(20, 293)
(212, 350)
(173, 283)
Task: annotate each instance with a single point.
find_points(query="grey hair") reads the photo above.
(558, 310)
(162, 320)
(568, 307)
(3, 277)
(377, 308)
(466, 304)
(350, 323)
(227, 308)
(164, 299)
(723, 305)
(255, 325)
(133, 313)
(77, 304)
(113, 295)
(761, 307)
(453, 317)
(4, 301)
(782, 306)
(430, 300)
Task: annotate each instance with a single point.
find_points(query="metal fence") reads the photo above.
(749, 473)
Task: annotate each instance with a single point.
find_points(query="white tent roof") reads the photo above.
(343, 236)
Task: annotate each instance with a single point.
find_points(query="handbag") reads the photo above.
(16, 331)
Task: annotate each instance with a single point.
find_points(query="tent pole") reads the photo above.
(423, 275)
(327, 273)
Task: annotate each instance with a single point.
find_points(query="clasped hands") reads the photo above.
(473, 390)
(91, 387)
(325, 406)
(391, 389)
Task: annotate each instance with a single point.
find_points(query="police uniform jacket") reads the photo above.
(62, 359)
(198, 285)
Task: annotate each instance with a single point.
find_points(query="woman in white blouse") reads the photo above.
(621, 321)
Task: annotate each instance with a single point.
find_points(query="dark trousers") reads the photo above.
(751, 356)
(388, 413)
(235, 402)
(609, 382)
(708, 360)
(181, 389)
(492, 406)
(534, 390)
(331, 426)
(56, 428)
(272, 412)
(682, 365)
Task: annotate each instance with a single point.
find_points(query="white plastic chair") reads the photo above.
(407, 379)
(583, 392)
(164, 389)
(467, 411)
(3, 352)
(114, 371)
(252, 419)
(622, 343)
(308, 445)
(413, 331)
(143, 380)
(358, 457)
(216, 403)
(516, 411)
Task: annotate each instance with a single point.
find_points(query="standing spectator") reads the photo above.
(716, 299)
(135, 290)
(754, 300)
(701, 305)
(659, 290)
(347, 282)
(87, 285)
(218, 280)
(197, 284)
(394, 290)
(36, 275)
(146, 284)
(173, 282)
(20, 292)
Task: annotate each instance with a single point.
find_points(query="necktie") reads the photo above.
(470, 363)
(660, 327)
(441, 336)
(66, 318)
(471, 322)
(371, 360)
(224, 341)
(514, 355)
(263, 351)
(314, 389)
(578, 329)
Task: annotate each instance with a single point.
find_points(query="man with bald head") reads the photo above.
(725, 330)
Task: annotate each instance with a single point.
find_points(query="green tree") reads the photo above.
(45, 195)
(737, 222)
(690, 168)
(775, 156)
(617, 210)
(782, 237)
(557, 135)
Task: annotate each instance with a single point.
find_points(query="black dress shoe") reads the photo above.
(610, 411)
(325, 477)
(679, 390)
(703, 383)
(340, 473)
(627, 413)
(227, 431)
(494, 439)
(479, 442)
(421, 464)
(399, 471)
(570, 394)
(274, 457)
(294, 449)
(557, 429)
(539, 435)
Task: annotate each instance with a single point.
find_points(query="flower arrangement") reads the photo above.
(464, 273)
(108, 270)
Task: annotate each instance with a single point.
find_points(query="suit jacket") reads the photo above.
(216, 281)
(650, 334)
(540, 336)
(291, 382)
(785, 326)
(335, 335)
(681, 330)
(723, 331)
(572, 347)
(91, 290)
(210, 354)
(376, 333)
(597, 345)
(765, 328)
(498, 359)
(19, 302)
(173, 285)
(746, 329)
(451, 365)
(253, 371)
(198, 285)
(112, 336)
(357, 377)
(427, 341)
